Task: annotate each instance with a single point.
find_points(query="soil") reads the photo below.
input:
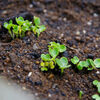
(75, 23)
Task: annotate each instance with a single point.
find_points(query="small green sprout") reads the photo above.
(96, 97)
(49, 61)
(9, 26)
(80, 94)
(97, 84)
(37, 29)
(62, 63)
(75, 60)
(60, 47)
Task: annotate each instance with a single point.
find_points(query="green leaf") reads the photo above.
(62, 48)
(75, 60)
(10, 22)
(42, 28)
(95, 82)
(80, 94)
(44, 69)
(6, 25)
(51, 64)
(81, 65)
(15, 29)
(53, 52)
(98, 87)
(45, 57)
(42, 64)
(20, 20)
(96, 97)
(36, 21)
(97, 62)
(62, 63)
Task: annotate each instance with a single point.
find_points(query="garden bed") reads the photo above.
(74, 23)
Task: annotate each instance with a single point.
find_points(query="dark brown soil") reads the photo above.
(75, 23)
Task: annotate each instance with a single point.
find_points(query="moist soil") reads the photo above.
(75, 23)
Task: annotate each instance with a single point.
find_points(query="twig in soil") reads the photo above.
(72, 48)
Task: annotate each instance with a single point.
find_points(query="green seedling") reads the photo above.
(37, 29)
(62, 63)
(49, 61)
(9, 26)
(97, 84)
(80, 94)
(96, 97)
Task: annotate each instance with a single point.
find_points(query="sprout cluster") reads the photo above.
(49, 61)
(18, 30)
(89, 63)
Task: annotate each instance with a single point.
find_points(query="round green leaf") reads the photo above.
(42, 28)
(53, 52)
(75, 60)
(62, 63)
(62, 48)
(81, 65)
(45, 57)
(97, 62)
(36, 21)
(95, 82)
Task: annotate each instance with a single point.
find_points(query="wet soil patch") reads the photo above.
(73, 23)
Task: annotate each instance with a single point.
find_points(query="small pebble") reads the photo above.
(18, 66)
(4, 12)
(89, 23)
(78, 33)
(24, 88)
(29, 74)
(50, 76)
(44, 10)
(84, 31)
(35, 47)
(49, 95)
(95, 15)
(98, 72)
(36, 94)
(31, 5)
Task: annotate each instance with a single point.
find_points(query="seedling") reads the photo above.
(62, 63)
(96, 97)
(89, 63)
(37, 29)
(80, 94)
(61, 48)
(23, 26)
(9, 26)
(97, 84)
(50, 60)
